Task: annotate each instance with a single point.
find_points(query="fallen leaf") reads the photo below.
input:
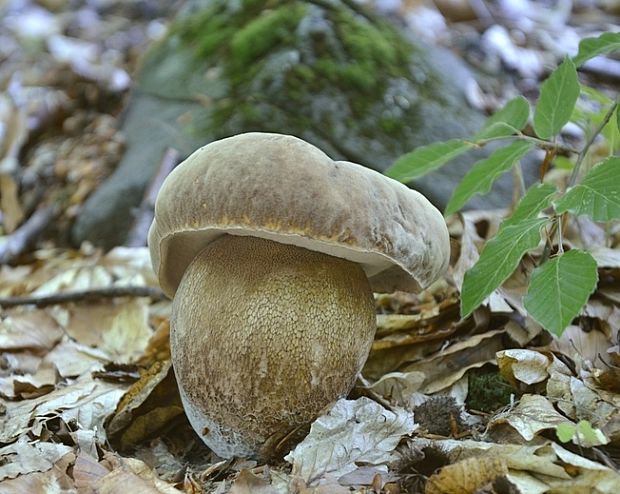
(466, 476)
(533, 414)
(122, 475)
(28, 328)
(359, 431)
(522, 365)
(24, 457)
(248, 483)
(55, 480)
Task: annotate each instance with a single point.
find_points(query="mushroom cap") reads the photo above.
(281, 188)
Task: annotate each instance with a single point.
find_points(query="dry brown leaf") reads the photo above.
(398, 387)
(23, 457)
(606, 257)
(523, 366)
(28, 328)
(158, 347)
(533, 413)
(147, 407)
(124, 475)
(448, 366)
(466, 476)
(470, 240)
(119, 328)
(583, 347)
(353, 432)
(248, 483)
(55, 480)
(536, 469)
(86, 401)
(86, 471)
(12, 212)
(73, 359)
(40, 383)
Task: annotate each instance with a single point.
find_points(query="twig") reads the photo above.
(26, 234)
(584, 151)
(84, 295)
(144, 216)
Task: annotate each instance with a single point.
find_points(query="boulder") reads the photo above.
(327, 71)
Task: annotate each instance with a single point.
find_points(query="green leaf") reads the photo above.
(559, 289)
(425, 159)
(507, 121)
(611, 131)
(589, 433)
(591, 47)
(558, 95)
(537, 198)
(565, 431)
(498, 259)
(598, 195)
(483, 174)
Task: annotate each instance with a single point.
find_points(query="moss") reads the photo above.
(390, 125)
(488, 390)
(205, 31)
(379, 44)
(336, 51)
(255, 39)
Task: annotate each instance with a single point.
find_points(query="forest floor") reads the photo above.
(88, 400)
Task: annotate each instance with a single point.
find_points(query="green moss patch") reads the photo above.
(280, 55)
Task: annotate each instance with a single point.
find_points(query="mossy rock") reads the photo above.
(326, 71)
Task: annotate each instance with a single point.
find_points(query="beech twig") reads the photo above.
(84, 295)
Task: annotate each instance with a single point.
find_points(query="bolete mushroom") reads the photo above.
(271, 251)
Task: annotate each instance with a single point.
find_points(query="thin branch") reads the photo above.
(584, 151)
(84, 295)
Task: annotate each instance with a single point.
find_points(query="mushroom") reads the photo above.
(272, 251)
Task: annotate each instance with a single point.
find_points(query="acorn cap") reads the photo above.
(281, 188)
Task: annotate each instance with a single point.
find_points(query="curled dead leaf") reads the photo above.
(466, 476)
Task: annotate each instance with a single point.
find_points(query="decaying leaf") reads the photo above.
(147, 407)
(55, 480)
(533, 413)
(87, 402)
(26, 328)
(116, 475)
(24, 457)
(535, 469)
(525, 366)
(466, 476)
(248, 483)
(353, 432)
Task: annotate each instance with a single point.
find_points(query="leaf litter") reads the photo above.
(89, 402)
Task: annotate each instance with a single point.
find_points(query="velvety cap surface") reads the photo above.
(281, 188)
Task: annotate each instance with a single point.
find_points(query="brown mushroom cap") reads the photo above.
(281, 188)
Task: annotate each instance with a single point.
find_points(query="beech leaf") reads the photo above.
(498, 259)
(483, 174)
(598, 195)
(591, 47)
(425, 159)
(507, 121)
(558, 95)
(560, 288)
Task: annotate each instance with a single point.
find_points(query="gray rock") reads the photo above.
(325, 71)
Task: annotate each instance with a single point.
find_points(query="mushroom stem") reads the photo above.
(264, 336)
